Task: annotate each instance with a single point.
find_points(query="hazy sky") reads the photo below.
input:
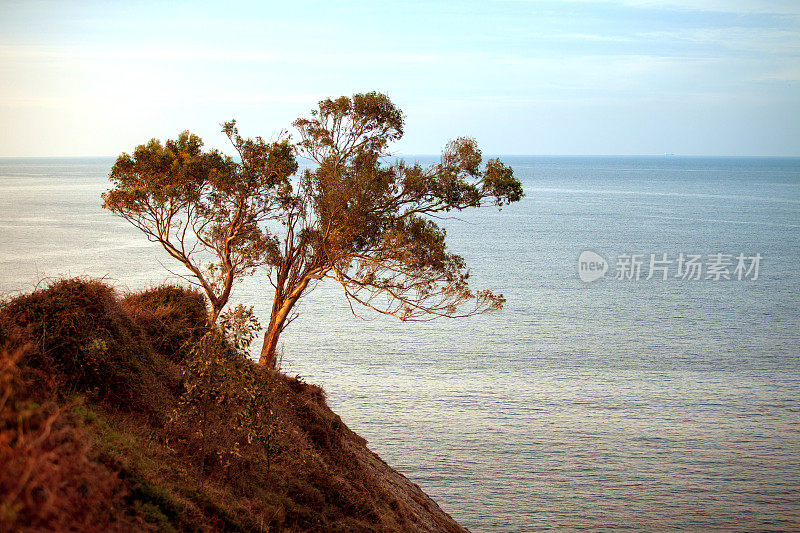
(712, 77)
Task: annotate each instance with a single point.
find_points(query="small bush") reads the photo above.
(76, 329)
(171, 316)
(226, 403)
(240, 327)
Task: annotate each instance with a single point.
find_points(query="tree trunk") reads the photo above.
(281, 307)
(268, 356)
(280, 313)
(213, 315)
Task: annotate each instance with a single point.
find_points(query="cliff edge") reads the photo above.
(127, 414)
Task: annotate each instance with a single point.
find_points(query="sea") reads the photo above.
(644, 374)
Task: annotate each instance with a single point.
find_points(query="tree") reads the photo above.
(370, 226)
(205, 209)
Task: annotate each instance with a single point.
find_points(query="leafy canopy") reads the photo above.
(370, 225)
(356, 218)
(204, 208)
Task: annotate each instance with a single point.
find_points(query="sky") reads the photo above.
(577, 77)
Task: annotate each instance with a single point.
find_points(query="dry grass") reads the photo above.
(49, 478)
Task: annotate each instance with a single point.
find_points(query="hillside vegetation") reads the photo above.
(127, 414)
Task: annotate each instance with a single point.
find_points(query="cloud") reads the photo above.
(593, 37)
(120, 54)
(777, 7)
(789, 73)
(735, 38)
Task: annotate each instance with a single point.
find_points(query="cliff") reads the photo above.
(112, 419)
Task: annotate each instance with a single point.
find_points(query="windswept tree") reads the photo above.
(371, 226)
(206, 210)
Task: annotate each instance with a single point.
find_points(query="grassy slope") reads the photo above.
(92, 438)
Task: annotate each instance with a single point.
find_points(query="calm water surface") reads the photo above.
(616, 405)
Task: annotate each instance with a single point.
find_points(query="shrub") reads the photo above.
(173, 317)
(227, 400)
(76, 329)
(240, 327)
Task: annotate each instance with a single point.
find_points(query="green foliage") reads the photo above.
(226, 398)
(205, 209)
(371, 120)
(240, 327)
(354, 218)
(370, 225)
